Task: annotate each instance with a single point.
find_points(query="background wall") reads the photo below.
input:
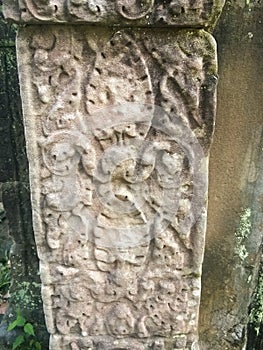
(15, 209)
(232, 254)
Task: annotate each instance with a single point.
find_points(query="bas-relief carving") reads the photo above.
(115, 183)
(131, 12)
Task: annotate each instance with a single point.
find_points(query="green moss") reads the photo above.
(27, 295)
(256, 313)
(242, 233)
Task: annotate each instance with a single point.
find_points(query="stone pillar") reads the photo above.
(119, 105)
(235, 213)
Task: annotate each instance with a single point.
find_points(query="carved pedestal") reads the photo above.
(118, 124)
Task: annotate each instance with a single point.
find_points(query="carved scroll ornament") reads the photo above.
(197, 13)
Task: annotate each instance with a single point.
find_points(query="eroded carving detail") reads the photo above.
(133, 12)
(134, 9)
(120, 185)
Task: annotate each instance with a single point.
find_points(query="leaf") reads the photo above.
(38, 346)
(12, 326)
(18, 341)
(34, 345)
(29, 329)
(20, 321)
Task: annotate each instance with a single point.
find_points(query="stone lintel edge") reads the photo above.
(177, 14)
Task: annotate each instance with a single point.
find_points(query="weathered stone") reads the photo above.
(8, 94)
(235, 215)
(199, 13)
(231, 262)
(16, 231)
(118, 127)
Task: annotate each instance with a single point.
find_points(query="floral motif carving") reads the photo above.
(134, 9)
(122, 12)
(118, 181)
(42, 10)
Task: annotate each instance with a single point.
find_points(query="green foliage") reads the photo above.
(27, 339)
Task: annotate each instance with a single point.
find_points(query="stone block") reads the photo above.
(144, 13)
(118, 128)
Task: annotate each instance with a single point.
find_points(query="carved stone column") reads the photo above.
(119, 106)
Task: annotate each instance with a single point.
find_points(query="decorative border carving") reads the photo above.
(181, 13)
